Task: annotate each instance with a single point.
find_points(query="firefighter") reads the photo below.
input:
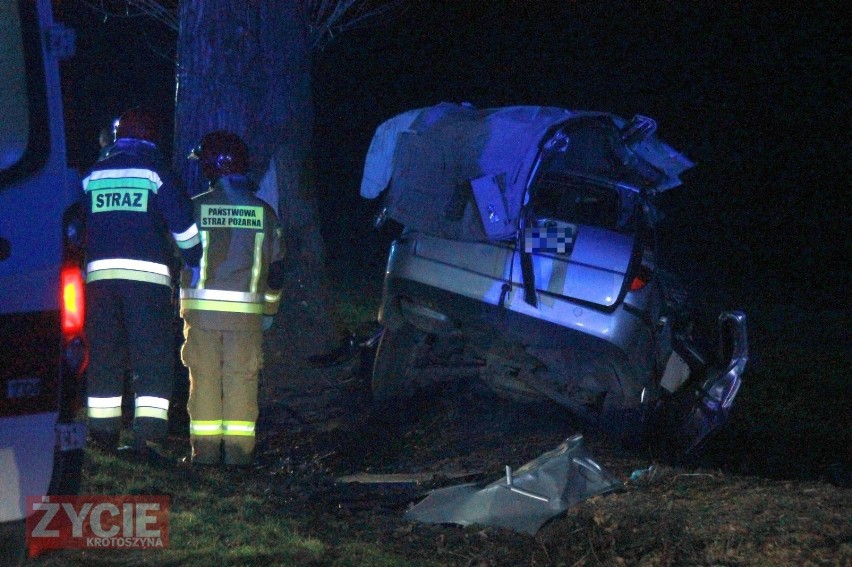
(136, 212)
(229, 305)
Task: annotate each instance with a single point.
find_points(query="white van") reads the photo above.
(43, 352)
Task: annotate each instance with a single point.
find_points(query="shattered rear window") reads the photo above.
(574, 200)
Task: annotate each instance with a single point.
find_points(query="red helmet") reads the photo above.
(139, 124)
(221, 153)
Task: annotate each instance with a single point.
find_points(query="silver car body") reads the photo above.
(530, 236)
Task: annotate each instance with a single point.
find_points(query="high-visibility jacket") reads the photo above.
(132, 203)
(241, 275)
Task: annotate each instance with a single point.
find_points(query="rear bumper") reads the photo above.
(458, 297)
(26, 460)
(38, 456)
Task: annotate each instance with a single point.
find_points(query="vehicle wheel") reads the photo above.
(393, 358)
(593, 384)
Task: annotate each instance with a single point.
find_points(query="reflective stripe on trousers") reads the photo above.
(146, 406)
(205, 427)
(151, 406)
(239, 428)
(104, 408)
(222, 427)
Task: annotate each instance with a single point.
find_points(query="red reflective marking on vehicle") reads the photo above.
(642, 277)
(637, 284)
(73, 304)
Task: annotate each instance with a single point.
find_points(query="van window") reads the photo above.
(14, 111)
(576, 200)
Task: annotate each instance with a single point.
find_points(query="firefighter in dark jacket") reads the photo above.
(229, 305)
(136, 212)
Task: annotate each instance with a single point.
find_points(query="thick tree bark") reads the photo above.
(246, 67)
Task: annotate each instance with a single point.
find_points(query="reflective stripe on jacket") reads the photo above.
(240, 237)
(135, 208)
(221, 300)
(127, 269)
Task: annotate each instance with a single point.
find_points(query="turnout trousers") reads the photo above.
(129, 330)
(223, 387)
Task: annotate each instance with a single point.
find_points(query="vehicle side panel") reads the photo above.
(479, 270)
(34, 194)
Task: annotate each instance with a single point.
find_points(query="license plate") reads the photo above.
(71, 436)
(22, 388)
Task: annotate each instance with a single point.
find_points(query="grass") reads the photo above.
(357, 304)
(355, 313)
(788, 419)
(217, 517)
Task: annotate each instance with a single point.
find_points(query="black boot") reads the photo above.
(104, 441)
(141, 451)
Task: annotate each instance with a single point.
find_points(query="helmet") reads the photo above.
(221, 153)
(107, 136)
(137, 123)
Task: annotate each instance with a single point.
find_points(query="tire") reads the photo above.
(621, 422)
(593, 384)
(393, 359)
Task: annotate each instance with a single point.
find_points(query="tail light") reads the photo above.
(72, 312)
(641, 278)
(643, 267)
(75, 353)
(73, 308)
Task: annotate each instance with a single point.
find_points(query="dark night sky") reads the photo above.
(756, 94)
(753, 95)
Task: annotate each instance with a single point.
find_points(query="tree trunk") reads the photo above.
(245, 66)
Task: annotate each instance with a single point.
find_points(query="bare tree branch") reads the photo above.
(327, 18)
(162, 11)
(160, 37)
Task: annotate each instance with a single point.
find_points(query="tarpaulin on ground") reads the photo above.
(525, 499)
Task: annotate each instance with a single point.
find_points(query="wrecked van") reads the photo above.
(528, 261)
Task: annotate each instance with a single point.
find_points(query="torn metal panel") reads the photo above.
(425, 161)
(711, 405)
(524, 499)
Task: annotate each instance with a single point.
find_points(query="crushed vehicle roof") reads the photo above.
(424, 159)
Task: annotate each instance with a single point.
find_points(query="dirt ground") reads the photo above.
(315, 427)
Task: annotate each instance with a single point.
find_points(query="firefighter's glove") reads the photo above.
(267, 322)
(196, 275)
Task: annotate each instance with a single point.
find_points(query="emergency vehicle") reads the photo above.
(43, 353)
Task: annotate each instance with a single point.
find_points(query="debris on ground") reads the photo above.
(526, 498)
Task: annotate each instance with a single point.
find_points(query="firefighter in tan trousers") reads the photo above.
(228, 303)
